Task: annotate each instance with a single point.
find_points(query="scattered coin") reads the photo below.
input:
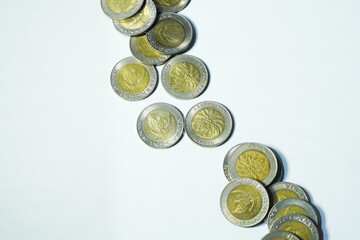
(171, 5)
(120, 9)
(280, 235)
(282, 190)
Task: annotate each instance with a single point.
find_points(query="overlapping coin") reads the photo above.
(120, 9)
(280, 235)
(171, 5)
(282, 190)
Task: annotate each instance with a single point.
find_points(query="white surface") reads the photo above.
(73, 167)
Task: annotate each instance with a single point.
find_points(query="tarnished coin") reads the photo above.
(171, 5)
(208, 124)
(138, 23)
(146, 54)
(171, 35)
(185, 77)
(133, 80)
(280, 235)
(282, 190)
(244, 202)
(291, 205)
(120, 9)
(252, 160)
(297, 224)
(160, 125)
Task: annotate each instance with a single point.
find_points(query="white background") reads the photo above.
(73, 167)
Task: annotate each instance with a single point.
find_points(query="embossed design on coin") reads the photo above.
(120, 9)
(169, 33)
(184, 77)
(283, 190)
(297, 228)
(280, 235)
(208, 123)
(145, 49)
(254, 164)
(167, 3)
(171, 5)
(160, 125)
(138, 20)
(120, 6)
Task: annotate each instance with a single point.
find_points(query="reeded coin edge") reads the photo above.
(127, 14)
(176, 8)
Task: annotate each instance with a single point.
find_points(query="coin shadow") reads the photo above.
(282, 165)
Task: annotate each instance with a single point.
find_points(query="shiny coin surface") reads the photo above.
(282, 190)
(146, 54)
(291, 205)
(244, 202)
(133, 80)
(138, 23)
(171, 5)
(252, 160)
(185, 77)
(171, 35)
(208, 124)
(280, 235)
(120, 9)
(297, 224)
(160, 125)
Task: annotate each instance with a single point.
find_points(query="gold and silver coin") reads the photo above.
(291, 205)
(120, 9)
(244, 202)
(282, 190)
(297, 224)
(171, 35)
(280, 235)
(208, 124)
(185, 77)
(133, 80)
(160, 125)
(252, 160)
(146, 54)
(138, 23)
(171, 5)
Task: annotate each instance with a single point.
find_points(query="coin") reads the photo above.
(133, 80)
(142, 50)
(252, 160)
(185, 77)
(280, 235)
(297, 224)
(171, 35)
(160, 125)
(171, 5)
(291, 205)
(138, 23)
(208, 124)
(282, 190)
(120, 9)
(244, 202)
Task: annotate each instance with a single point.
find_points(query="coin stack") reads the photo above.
(246, 200)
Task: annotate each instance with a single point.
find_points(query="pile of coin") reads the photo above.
(247, 199)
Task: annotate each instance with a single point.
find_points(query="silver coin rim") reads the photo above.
(113, 15)
(231, 157)
(224, 136)
(143, 28)
(264, 196)
(189, 32)
(179, 128)
(146, 60)
(176, 8)
(204, 77)
(291, 201)
(133, 96)
(299, 218)
(280, 234)
(290, 186)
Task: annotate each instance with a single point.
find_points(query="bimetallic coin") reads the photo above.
(252, 160)
(282, 190)
(185, 77)
(133, 80)
(171, 35)
(244, 202)
(280, 235)
(208, 124)
(160, 125)
(138, 23)
(142, 50)
(120, 9)
(291, 205)
(297, 224)
(171, 5)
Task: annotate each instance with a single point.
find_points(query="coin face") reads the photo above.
(280, 235)
(160, 125)
(208, 124)
(171, 35)
(171, 5)
(282, 190)
(185, 77)
(297, 224)
(244, 202)
(291, 205)
(138, 23)
(252, 160)
(120, 9)
(133, 80)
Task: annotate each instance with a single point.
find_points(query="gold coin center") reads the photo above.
(208, 123)
(167, 3)
(169, 33)
(120, 6)
(253, 164)
(133, 78)
(145, 49)
(297, 228)
(138, 20)
(282, 194)
(184, 77)
(291, 209)
(160, 125)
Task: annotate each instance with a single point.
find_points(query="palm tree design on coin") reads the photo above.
(160, 125)
(253, 164)
(184, 77)
(208, 123)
